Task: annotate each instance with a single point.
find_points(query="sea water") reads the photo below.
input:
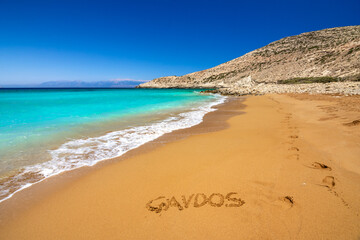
(44, 132)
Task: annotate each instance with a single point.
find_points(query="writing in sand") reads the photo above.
(162, 203)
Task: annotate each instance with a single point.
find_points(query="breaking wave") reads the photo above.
(87, 152)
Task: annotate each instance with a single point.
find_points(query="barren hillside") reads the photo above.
(333, 52)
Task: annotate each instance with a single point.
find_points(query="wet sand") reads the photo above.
(288, 168)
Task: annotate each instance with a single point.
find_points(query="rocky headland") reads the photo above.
(325, 62)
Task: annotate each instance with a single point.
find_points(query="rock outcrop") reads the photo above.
(342, 88)
(333, 52)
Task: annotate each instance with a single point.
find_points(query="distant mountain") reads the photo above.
(81, 84)
(100, 84)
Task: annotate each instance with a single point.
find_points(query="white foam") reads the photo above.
(87, 152)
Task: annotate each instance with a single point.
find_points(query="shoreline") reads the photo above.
(65, 158)
(35, 191)
(287, 168)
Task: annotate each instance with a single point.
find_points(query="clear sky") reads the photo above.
(103, 40)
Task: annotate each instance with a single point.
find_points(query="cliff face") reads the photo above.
(331, 52)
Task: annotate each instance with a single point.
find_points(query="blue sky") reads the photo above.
(102, 40)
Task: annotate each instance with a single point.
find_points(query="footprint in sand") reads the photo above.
(317, 165)
(294, 149)
(265, 193)
(329, 182)
(353, 123)
(289, 201)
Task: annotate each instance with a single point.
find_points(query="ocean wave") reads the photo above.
(87, 152)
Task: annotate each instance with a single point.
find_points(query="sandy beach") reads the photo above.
(261, 167)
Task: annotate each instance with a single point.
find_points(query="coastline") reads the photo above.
(292, 161)
(212, 121)
(89, 148)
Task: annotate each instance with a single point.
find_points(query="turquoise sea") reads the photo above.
(44, 132)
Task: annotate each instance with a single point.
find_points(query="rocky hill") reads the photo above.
(333, 53)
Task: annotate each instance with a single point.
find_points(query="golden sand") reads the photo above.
(288, 168)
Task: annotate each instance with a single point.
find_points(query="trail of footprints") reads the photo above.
(294, 150)
(293, 137)
(328, 181)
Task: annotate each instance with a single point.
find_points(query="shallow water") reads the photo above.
(44, 132)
